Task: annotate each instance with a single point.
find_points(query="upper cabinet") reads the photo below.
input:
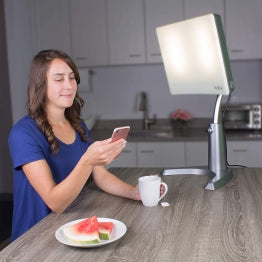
(243, 28)
(125, 21)
(159, 13)
(51, 25)
(195, 8)
(118, 32)
(88, 30)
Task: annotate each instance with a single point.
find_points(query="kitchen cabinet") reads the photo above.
(127, 157)
(161, 154)
(88, 30)
(186, 154)
(159, 13)
(51, 25)
(116, 32)
(151, 154)
(246, 153)
(126, 34)
(243, 28)
(196, 153)
(195, 8)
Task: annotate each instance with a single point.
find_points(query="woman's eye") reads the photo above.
(72, 77)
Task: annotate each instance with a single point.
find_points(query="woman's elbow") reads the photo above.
(57, 209)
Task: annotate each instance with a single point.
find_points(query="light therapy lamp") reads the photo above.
(196, 61)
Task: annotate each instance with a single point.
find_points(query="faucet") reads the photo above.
(143, 107)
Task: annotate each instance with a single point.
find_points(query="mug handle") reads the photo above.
(166, 189)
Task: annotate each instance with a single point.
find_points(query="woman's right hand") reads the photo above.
(103, 152)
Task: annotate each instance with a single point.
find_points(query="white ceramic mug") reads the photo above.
(149, 189)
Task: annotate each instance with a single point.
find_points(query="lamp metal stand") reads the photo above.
(217, 168)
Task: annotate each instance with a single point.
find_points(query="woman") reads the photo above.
(52, 154)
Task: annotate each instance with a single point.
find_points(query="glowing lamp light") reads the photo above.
(195, 56)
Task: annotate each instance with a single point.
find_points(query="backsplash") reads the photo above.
(116, 91)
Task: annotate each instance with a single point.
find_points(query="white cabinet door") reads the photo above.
(88, 29)
(195, 8)
(126, 34)
(51, 25)
(243, 28)
(161, 154)
(196, 154)
(159, 13)
(127, 157)
(246, 153)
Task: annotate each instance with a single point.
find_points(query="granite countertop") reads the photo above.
(162, 130)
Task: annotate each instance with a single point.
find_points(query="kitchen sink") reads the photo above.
(164, 133)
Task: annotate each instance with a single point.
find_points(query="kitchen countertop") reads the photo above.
(195, 131)
(199, 225)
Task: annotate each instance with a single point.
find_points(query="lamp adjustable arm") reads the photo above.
(217, 112)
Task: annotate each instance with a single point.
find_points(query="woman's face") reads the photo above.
(61, 85)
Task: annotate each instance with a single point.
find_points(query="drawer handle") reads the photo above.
(240, 150)
(134, 55)
(127, 151)
(81, 58)
(237, 50)
(147, 151)
(155, 54)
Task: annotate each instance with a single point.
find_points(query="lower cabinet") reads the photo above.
(246, 153)
(161, 154)
(196, 153)
(186, 154)
(243, 153)
(127, 157)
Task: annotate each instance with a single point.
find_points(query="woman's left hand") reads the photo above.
(162, 190)
(137, 194)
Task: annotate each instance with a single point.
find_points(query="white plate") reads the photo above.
(118, 231)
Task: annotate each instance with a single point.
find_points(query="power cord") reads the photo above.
(223, 118)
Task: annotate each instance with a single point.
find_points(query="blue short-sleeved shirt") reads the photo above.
(27, 144)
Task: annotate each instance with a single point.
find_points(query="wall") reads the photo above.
(116, 89)
(20, 52)
(6, 114)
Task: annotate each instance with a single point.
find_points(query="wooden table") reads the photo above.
(199, 225)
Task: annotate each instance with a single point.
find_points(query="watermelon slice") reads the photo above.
(105, 229)
(83, 232)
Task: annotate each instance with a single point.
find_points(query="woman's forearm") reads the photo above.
(113, 185)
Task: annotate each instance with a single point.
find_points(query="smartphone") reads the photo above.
(120, 132)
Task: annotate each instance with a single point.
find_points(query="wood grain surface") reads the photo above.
(199, 225)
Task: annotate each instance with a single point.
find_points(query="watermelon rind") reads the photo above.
(70, 234)
(104, 235)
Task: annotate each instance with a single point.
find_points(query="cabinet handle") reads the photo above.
(155, 54)
(126, 151)
(149, 151)
(134, 55)
(237, 50)
(240, 150)
(81, 58)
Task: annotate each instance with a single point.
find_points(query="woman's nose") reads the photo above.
(69, 84)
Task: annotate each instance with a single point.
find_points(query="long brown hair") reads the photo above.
(37, 96)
